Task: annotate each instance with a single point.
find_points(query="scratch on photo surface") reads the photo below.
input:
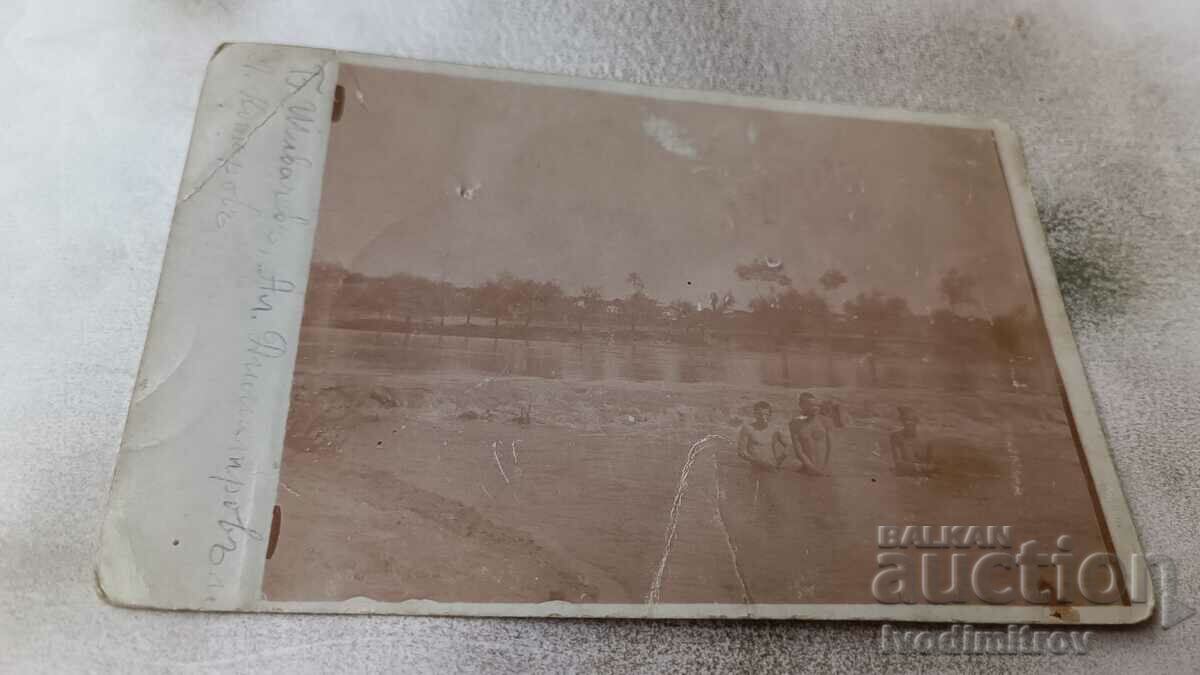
(290, 490)
(1014, 460)
(500, 466)
(359, 94)
(737, 568)
(669, 136)
(655, 592)
(485, 491)
(1017, 384)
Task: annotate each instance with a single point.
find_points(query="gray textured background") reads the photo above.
(95, 113)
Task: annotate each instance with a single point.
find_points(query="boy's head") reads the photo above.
(762, 411)
(807, 403)
(908, 417)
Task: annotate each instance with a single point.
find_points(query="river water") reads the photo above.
(598, 360)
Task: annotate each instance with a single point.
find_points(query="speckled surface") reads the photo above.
(97, 109)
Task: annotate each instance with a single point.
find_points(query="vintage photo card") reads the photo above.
(436, 339)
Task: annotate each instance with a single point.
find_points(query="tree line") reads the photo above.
(778, 310)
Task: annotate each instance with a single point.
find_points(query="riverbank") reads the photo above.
(452, 487)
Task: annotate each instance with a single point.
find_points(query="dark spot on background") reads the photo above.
(1020, 24)
(1093, 267)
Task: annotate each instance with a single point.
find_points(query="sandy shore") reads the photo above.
(528, 489)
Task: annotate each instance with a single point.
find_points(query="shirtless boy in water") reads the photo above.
(811, 433)
(760, 443)
(767, 447)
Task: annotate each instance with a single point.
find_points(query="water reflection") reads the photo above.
(658, 362)
(641, 363)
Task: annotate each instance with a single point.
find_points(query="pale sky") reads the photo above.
(464, 179)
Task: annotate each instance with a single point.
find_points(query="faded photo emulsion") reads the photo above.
(572, 345)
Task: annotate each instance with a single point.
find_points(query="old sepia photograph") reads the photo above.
(591, 347)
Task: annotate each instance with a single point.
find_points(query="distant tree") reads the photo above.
(832, 280)
(768, 308)
(961, 337)
(876, 311)
(495, 298)
(948, 325)
(637, 306)
(771, 311)
(634, 279)
(468, 297)
(803, 310)
(956, 330)
(532, 299)
(763, 270)
(719, 303)
(411, 296)
(443, 297)
(398, 295)
(548, 300)
(682, 312)
(586, 305)
(523, 296)
(326, 282)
